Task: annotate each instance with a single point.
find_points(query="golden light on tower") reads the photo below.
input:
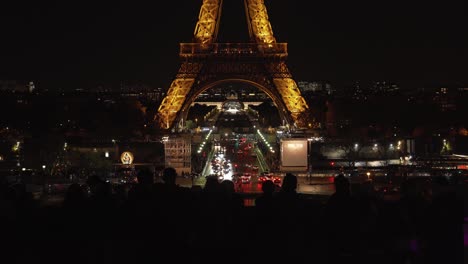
(208, 19)
(291, 95)
(174, 100)
(260, 62)
(259, 24)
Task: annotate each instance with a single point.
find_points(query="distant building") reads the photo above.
(221, 93)
(178, 153)
(316, 87)
(446, 99)
(15, 86)
(139, 90)
(357, 91)
(384, 87)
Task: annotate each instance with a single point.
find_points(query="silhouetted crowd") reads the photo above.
(162, 222)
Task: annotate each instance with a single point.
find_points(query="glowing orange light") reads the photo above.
(126, 158)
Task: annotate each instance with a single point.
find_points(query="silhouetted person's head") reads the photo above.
(289, 183)
(169, 176)
(93, 183)
(103, 190)
(268, 187)
(145, 177)
(441, 181)
(414, 188)
(366, 188)
(20, 189)
(228, 186)
(440, 184)
(10, 194)
(197, 189)
(341, 184)
(75, 194)
(212, 184)
(120, 191)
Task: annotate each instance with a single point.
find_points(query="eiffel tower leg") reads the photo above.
(173, 101)
(291, 96)
(176, 95)
(289, 91)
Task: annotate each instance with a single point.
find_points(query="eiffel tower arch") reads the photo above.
(206, 63)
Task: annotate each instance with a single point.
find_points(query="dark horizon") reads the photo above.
(84, 44)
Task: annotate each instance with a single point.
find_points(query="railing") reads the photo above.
(233, 49)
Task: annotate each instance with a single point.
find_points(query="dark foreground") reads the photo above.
(164, 223)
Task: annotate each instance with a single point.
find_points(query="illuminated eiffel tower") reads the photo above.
(206, 63)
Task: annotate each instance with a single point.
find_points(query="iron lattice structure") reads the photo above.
(206, 63)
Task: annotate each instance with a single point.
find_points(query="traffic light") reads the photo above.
(332, 163)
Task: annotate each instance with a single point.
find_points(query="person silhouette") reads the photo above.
(287, 200)
(233, 199)
(265, 200)
(172, 208)
(141, 192)
(444, 229)
(289, 207)
(75, 197)
(339, 207)
(169, 176)
(265, 224)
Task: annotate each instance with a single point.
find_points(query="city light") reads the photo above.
(16, 147)
(202, 145)
(126, 158)
(265, 141)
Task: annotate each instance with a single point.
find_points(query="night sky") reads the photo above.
(68, 44)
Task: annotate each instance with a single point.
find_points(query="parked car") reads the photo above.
(245, 179)
(261, 179)
(276, 180)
